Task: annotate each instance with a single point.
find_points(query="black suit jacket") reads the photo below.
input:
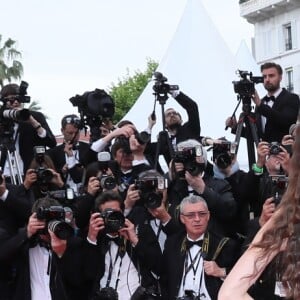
(86, 156)
(28, 138)
(173, 264)
(279, 118)
(146, 257)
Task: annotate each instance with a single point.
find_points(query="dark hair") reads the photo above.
(108, 196)
(47, 163)
(45, 202)
(269, 65)
(70, 119)
(123, 123)
(9, 89)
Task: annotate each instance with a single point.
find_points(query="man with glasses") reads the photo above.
(22, 133)
(70, 157)
(202, 259)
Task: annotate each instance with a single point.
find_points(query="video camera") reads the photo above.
(114, 220)
(93, 107)
(279, 185)
(55, 219)
(160, 86)
(245, 86)
(148, 187)
(223, 153)
(187, 156)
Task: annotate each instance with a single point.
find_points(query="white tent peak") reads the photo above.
(200, 62)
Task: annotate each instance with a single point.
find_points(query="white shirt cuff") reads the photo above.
(98, 146)
(4, 196)
(43, 133)
(91, 242)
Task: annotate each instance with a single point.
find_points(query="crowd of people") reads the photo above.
(103, 220)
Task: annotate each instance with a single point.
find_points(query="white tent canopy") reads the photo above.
(199, 61)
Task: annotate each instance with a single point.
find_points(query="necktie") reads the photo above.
(190, 244)
(271, 98)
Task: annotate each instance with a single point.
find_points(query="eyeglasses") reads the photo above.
(71, 120)
(171, 113)
(194, 215)
(12, 99)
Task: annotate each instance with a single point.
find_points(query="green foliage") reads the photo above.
(129, 88)
(10, 68)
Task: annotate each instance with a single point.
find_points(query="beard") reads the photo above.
(271, 88)
(174, 126)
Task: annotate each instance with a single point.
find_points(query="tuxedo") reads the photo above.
(28, 139)
(86, 156)
(279, 117)
(145, 255)
(174, 259)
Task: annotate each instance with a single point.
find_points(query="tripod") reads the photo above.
(247, 122)
(8, 153)
(163, 137)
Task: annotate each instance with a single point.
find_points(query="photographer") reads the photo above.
(44, 254)
(189, 176)
(119, 258)
(72, 156)
(195, 261)
(25, 132)
(275, 112)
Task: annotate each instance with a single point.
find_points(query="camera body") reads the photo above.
(246, 86)
(107, 293)
(107, 182)
(274, 148)
(114, 220)
(148, 187)
(279, 185)
(223, 153)
(55, 220)
(187, 156)
(142, 137)
(44, 175)
(160, 86)
(189, 295)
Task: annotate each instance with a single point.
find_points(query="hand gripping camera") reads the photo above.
(148, 187)
(114, 220)
(55, 220)
(187, 156)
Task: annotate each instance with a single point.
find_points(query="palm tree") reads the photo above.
(35, 106)
(10, 68)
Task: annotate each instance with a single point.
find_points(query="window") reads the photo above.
(289, 79)
(287, 33)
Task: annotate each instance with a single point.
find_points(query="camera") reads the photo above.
(65, 196)
(223, 153)
(55, 219)
(44, 176)
(160, 86)
(107, 293)
(148, 187)
(149, 293)
(114, 220)
(274, 148)
(16, 114)
(187, 156)
(279, 185)
(142, 137)
(245, 86)
(93, 107)
(190, 295)
(107, 182)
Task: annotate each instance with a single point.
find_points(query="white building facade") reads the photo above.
(277, 35)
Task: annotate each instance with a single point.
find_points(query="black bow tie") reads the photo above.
(190, 244)
(117, 240)
(271, 98)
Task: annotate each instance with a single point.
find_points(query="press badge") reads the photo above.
(279, 289)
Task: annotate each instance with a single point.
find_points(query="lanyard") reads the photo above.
(111, 267)
(193, 265)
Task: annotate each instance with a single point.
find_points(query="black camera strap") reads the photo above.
(193, 265)
(112, 266)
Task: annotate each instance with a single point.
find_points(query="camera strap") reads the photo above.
(112, 266)
(193, 265)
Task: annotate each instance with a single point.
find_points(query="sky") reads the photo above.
(69, 47)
